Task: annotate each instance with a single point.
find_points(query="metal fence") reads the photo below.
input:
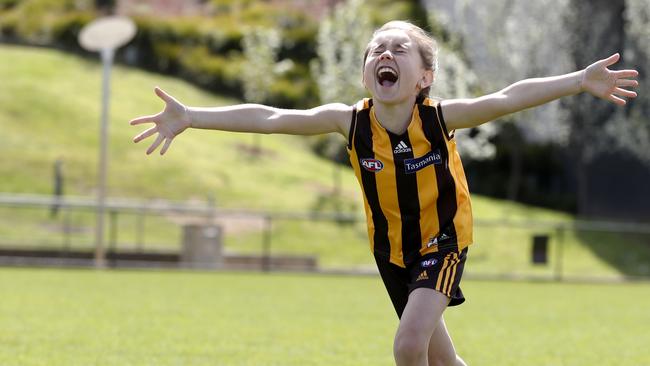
(505, 249)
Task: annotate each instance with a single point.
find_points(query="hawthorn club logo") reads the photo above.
(372, 165)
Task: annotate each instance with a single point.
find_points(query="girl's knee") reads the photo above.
(409, 348)
(444, 359)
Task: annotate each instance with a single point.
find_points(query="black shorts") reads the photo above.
(440, 271)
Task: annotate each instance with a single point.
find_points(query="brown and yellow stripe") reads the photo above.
(415, 191)
(447, 273)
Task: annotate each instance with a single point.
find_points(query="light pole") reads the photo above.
(104, 35)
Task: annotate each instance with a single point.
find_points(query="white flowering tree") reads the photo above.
(341, 42)
(454, 79)
(507, 41)
(342, 39)
(634, 136)
(504, 42)
(260, 46)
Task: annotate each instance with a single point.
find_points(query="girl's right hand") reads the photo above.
(169, 123)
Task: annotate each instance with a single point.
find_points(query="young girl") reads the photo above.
(404, 155)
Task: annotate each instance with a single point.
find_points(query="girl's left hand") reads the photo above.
(608, 84)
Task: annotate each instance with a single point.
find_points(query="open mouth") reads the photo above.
(386, 76)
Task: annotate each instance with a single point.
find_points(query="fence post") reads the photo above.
(559, 252)
(266, 244)
(66, 229)
(140, 231)
(112, 240)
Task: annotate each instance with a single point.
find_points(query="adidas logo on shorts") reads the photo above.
(423, 276)
(402, 147)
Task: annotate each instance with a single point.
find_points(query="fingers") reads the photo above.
(611, 60)
(616, 100)
(168, 141)
(143, 119)
(627, 82)
(164, 96)
(155, 144)
(145, 134)
(152, 118)
(150, 131)
(625, 93)
(626, 73)
(618, 94)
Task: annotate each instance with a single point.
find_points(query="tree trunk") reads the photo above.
(597, 29)
(582, 179)
(516, 168)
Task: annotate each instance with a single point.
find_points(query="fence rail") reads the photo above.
(562, 234)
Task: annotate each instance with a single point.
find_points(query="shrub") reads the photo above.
(204, 50)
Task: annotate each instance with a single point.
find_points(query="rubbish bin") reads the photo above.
(202, 246)
(540, 249)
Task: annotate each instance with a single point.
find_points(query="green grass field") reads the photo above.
(85, 317)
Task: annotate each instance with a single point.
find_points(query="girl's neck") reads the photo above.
(395, 117)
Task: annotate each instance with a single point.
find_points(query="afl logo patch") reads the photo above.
(429, 263)
(372, 165)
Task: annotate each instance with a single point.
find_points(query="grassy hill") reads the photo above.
(49, 109)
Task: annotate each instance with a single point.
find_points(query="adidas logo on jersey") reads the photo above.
(423, 276)
(402, 147)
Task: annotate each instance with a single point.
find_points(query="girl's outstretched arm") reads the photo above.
(596, 79)
(176, 118)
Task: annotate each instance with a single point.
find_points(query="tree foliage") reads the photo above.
(635, 134)
(455, 79)
(506, 41)
(260, 46)
(341, 41)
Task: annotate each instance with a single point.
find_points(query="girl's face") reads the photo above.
(393, 72)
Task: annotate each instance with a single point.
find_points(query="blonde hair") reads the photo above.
(427, 46)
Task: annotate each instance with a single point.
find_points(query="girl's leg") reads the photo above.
(441, 349)
(420, 320)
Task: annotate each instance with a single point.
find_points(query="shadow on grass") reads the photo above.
(629, 253)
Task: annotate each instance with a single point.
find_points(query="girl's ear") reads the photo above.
(427, 79)
(363, 79)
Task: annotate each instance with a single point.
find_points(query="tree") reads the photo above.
(342, 38)
(507, 41)
(341, 42)
(635, 135)
(503, 43)
(589, 116)
(260, 46)
(454, 79)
